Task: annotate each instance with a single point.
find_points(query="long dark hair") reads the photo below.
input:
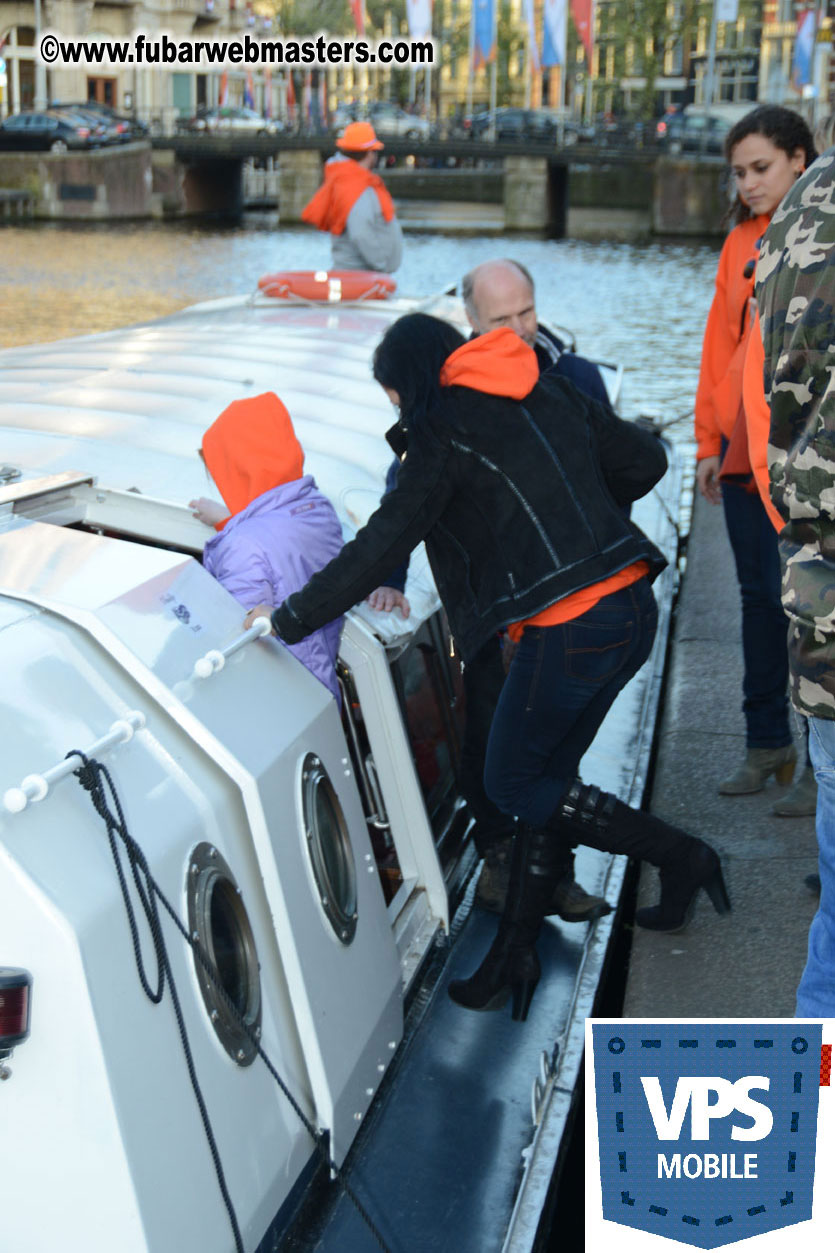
(408, 360)
(786, 129)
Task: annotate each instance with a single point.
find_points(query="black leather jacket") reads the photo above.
(519, 503)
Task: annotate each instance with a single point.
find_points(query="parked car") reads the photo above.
(692, 131)
(573, 130)
(47, 132)
(127, 128)
(343, 114)
(388, 119)
(104, 129)
(234, 118)
(537, 126)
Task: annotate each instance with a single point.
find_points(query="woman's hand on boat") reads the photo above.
(387, 599)
(707, 478)
(209, 511)
(260, 611)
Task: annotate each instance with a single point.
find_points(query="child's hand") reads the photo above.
(208, 511)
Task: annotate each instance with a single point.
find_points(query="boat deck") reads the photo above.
(453, 1062)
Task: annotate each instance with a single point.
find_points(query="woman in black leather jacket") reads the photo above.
(517, 485)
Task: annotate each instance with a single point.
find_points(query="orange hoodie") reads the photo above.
(499, 363)
(719, 393)
(758, 419)
(252, 448)
(345, 181)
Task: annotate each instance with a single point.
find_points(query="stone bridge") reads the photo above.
(528, 187)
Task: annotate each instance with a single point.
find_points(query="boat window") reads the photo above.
(219, 923)
(329, 846)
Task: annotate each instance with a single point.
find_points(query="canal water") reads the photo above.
(642, 304)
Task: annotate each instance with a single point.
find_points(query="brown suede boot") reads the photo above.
(751, 774)
(569, 900)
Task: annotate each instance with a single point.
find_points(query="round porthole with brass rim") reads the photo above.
(329, 847)
(218, 922)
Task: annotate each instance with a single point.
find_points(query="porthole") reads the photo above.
(329, 846)
(218, 921)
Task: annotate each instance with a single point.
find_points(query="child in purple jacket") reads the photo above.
(281, 529)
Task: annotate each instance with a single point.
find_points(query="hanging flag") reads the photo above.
(582, 11)
(249, 91)
(268, 92)
(291, 100)
(224, 90)
(804, 47)
(323, 99)
(554, 16)
(531, 21)
(484, 32)
(419, 17)
(358, 12)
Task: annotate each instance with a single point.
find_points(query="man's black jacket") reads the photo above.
(519, 504)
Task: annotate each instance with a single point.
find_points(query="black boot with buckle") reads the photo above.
(686, 864)
(511, 965)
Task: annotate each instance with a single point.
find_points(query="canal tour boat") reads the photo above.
(312, 1086)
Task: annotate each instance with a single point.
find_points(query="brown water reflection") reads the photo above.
(62, 281)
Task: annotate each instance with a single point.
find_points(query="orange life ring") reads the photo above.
(327, 285)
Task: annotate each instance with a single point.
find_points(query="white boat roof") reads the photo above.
(129, 407)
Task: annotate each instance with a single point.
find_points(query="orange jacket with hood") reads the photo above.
(758, 420)
(282, 529)
(719, 391)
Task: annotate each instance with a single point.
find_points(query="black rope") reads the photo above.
(90, 776)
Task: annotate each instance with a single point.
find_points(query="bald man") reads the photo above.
(501, 293)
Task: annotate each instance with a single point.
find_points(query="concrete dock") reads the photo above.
(748, 964)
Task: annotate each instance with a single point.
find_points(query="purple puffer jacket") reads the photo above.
(270, 549)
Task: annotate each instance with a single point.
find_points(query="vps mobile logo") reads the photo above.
(707, 1131)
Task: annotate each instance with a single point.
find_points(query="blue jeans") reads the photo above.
(560, 687)
(764, 625)
(816, 993)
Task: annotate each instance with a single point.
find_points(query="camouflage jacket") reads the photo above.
(795, 289)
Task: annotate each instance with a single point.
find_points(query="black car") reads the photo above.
(102, 129)
(537, 126)
(46, 132)
(692, 132)
(125, 128)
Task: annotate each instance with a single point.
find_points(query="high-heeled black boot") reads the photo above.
(511, 965)
(686, 863)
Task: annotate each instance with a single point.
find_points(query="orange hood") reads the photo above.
(345, 181)
(251, 448)
(499, 363)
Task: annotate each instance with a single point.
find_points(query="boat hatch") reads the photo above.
(72, 499)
